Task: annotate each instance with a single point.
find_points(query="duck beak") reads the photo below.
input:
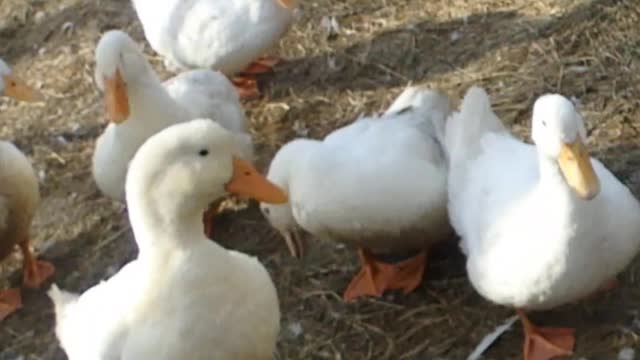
(295, 242)
(247, 181)
(286, 3)
(575, 164)
(116, 98)
(18, 89)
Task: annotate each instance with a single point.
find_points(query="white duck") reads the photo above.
(184, 297)
(379, 184)
(541, 225)
(12, 86)
(19, 199)
(224, 35)
(139, 105)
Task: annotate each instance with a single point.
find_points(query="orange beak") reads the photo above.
(116, 98)
(286, 3)
(576, 167)
(18, 89)
(247, 181)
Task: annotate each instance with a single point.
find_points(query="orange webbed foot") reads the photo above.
(377, 276)
(545, 343)
(262, 65)
(10, 301)
(34, 272)
(246, 82)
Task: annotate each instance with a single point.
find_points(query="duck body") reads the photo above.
(19, 200)
(19, 197)
(223, 35)
(544, 260)
(246, 330)
(531, 241)
(353, 201)
(208, 94)
(184, 296)
(378, 184)
(153, 106)
(353, 187)
(185, 306)
(541, 225)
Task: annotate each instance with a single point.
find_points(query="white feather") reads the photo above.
(222, 35)
(374, 183)
(154, 106)
(184, 297)
(531, 242)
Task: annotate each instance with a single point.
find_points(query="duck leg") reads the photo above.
(377, 276)
(10, 301)
(544, 343)
(246, 82)
(35, 272)
(262, 65)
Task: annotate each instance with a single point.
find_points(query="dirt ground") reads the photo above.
(516, 49)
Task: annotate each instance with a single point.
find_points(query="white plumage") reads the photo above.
(379, 183)
(153, 106)
(532, 240)
(184, 297)
(222, 35)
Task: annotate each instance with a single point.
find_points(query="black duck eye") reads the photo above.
(203, 152)
(266, 211)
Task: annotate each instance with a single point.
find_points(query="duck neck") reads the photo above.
(167, 220)
(550, 174)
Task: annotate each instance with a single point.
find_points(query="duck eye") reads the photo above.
(266, 211)
(544, 123)
(203, 152)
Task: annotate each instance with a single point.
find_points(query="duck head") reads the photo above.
(119, 63)
(179, 171)
(559, 133)
(14, 87)
(280, 216)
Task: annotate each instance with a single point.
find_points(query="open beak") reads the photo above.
(295, 242)
(116, 98)
(247, 181)
(576, 167)
(18, 89)
(286, 3)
